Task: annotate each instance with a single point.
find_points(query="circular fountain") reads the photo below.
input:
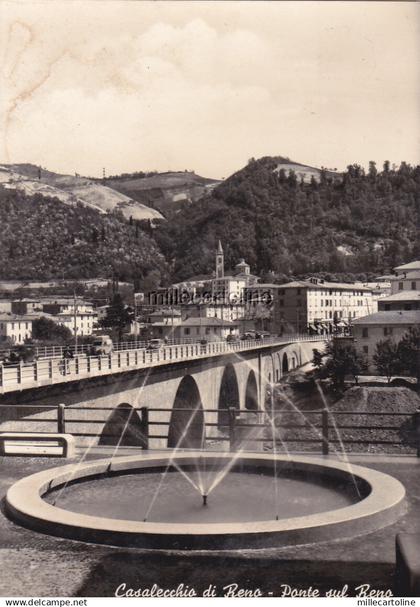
(207, 500)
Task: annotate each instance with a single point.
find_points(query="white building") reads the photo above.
(15, 329)
(193, 329)
(370, 330)
(80, 324)
(397, 313)
(319, 306)
(66, 305)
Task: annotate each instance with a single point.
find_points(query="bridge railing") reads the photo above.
(57, 370)
(318, 431)
(56, 351)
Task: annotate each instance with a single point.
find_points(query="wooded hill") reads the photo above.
(42, 238)
(285, 219)
(350, 224)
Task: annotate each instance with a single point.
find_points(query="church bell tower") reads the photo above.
(220, 262)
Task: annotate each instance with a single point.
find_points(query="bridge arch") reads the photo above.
(294, 359)
(269, 369)
(186, 426)
(285, 363)
(251, 393)
(228, 395)
(123, 427)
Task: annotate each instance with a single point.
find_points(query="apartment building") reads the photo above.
(319, 306)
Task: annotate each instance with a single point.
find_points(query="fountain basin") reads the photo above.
(381, 502)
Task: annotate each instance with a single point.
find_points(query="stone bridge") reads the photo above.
(107, 403)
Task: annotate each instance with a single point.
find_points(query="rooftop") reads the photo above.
(206, 322)
(198, 278)
(65, 301)
(410, 276)
(402, 317)
(323, 285)
(413, 265)
(265, 285)
(403, 296)
(168, 312)
(17, 318)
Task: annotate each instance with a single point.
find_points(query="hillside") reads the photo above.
(341, 224)
(42, 238)
(303, 172)
(165, 192)
(73, 190)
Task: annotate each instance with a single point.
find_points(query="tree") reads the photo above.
(372, 170)
(45, 329)
(409, 353)
(341, 359)
(387, 358)
(117, 316)
(318, 359)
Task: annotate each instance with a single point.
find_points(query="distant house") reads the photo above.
(194, 329)
(66, 305)
(5, 306)
(26, 306)
(77, 314)
(81, 323)
(403, 300)
(165, 316)
(369, 330)
(15, 329)
(397, 313)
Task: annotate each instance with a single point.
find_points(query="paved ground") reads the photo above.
(33, 564)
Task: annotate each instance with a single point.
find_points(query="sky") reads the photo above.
(205, 86)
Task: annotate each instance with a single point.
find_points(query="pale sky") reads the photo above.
(207, 85)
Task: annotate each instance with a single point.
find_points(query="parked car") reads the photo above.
(155, 344)
(232, 337)
(102, 344)
(262, 335)
(248, 335)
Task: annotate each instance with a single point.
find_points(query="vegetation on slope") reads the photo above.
(42, 238)
(354, 223)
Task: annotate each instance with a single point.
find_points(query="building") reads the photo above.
(380, 288)
(397, 312)
(229, 289)
(192, 329)
(5, 306)
(402, 300)
(259, 307)
(214, 310)
(369, 330)
(15, 329)
(26, 306)
(219, 295)
(80, 324)
(407, 269)
(166, 316)
(66, 305)
(319, 306)
(76, 314)
(406, 280)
